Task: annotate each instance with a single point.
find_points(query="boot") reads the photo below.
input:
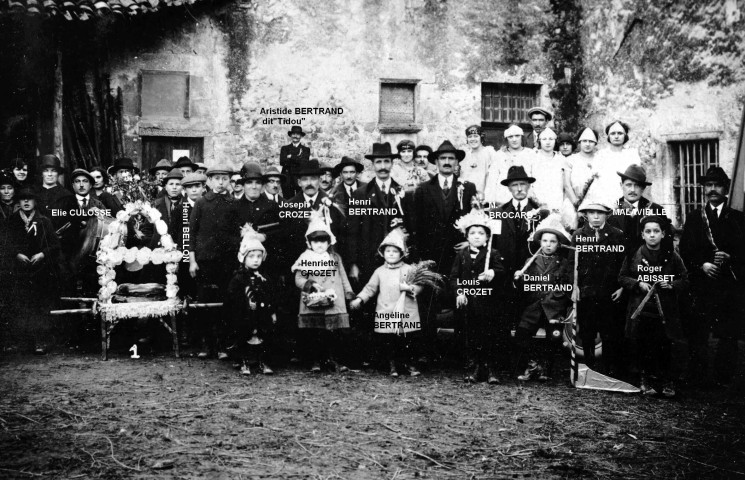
(394, 372)
(493, 376)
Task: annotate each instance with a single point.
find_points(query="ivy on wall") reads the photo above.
(236, 22)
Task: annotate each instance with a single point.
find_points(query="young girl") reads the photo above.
(396, 326)
(542, 285)
(476, 287)
(657, 322)
(249, 302)
(320, 275)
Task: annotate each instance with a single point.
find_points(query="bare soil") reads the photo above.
(75, 416)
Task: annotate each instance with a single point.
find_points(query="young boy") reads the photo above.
(320, 275)
(396, 327)
(543, 286)
(652, 328)
(249, 301)
(213, 236)
(600, 251)
(475, 285)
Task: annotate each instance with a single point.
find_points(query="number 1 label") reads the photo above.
(134, 351)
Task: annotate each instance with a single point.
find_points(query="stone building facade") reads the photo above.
(212, 79)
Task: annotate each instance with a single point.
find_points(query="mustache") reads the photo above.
(384, 170)
(309, 187)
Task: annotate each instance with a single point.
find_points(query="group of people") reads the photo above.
(509, 240)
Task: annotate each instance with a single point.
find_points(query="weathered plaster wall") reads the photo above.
(334, 53)
(667, 69)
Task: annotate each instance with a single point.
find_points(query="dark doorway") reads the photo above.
(156, 148)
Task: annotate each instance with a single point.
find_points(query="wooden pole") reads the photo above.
(57, 111)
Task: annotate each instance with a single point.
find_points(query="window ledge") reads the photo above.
(399, 127)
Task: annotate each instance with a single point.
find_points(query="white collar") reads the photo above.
(717, 208)
(271, 196)
(521, 203)
(191, 202)
(310, 200)
(441, 179)
(381, 183)
(81, 197)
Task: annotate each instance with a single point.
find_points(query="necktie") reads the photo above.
(385, 190)
(84, 202)
(446, 187)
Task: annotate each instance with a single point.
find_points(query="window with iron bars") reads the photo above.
(506, 103)
(692, 159)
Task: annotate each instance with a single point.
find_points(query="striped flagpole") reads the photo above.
(573, 373)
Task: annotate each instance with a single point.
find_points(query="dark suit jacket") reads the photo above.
(631, 228)
(214, 229)
(50, 198)
(434, 219)
(163, 205)
(529, 140)
(366, 232)
(728, 233)
(291, 159)
(110, 202)
(466, 268)
(293, 229)
(597, 272)
(512, 242)
(279, 197)
(70, 239)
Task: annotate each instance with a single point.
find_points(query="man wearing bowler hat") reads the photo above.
(367, 229)
(633, 206)
(50, 192)
(713, 249)
(292, 158)
(159, 172)
(185, 165)
(327, 178)
(254, 207)
(273, 181)
(123, 169)
(539, 118)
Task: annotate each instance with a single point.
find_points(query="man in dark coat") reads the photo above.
(214, 237)
(713, 249)
(438, 203)
(601, 253)
(348, 169)
(633, 206)
(374, 211)
(292, 158)
(77, 210)
(50, 192)
(518, 217)
(263, 214)
(273, 181)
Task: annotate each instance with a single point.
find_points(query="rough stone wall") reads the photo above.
(334, 53)
(668, 69)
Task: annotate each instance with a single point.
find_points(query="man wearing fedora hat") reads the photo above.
(366, 230)
(159, 172)
(292, 157)
(713, 249)
(518, 218)
(539, 118)
(348, 169)
(633, 206)
(185, 165)
(50, 192)
(273, 181)
(438, 203)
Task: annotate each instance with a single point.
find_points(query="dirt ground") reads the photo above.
(75, 416)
